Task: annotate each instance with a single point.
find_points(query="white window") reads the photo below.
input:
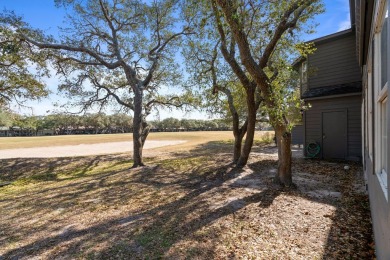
(304, 72)
(369, 111)
(384, 135)
(304, 76)
(380, 93)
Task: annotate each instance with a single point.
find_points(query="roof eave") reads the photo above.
(363, 12)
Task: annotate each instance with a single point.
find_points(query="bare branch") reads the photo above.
(229, 55)
(82, 49)
(296, 8)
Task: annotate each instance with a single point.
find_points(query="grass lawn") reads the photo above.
(192, 139)
(188, 203)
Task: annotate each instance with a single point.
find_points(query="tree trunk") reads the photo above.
(237, 148)
(250, 133)
(283, 138)
(137, 129)
(239, 133)
(145, 131)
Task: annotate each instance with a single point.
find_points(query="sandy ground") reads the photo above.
(80, 150)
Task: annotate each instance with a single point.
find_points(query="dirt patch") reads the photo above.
(192, 205)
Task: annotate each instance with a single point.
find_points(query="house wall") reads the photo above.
(313, 122)
(334, 62)
(378, 194)
(297, 135)
(380, 211)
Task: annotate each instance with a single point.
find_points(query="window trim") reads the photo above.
(379, 93)
(303, 78)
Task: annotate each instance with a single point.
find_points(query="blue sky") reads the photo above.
(44, 15)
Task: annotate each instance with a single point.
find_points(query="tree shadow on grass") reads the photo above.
(166, 223)
(151, 241)
(39, 168)
(184, 198)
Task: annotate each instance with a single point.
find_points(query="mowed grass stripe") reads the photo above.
(191, 138)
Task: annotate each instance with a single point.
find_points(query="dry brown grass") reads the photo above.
(192, 138)
(188, 203)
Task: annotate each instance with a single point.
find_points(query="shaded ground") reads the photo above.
(187, 205)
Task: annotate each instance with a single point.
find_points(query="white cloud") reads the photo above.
(344, 25)
(346, 22)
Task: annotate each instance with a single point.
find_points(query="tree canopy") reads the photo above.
(124, 50)
(21, 69)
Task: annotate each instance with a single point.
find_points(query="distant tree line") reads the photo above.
(12, 124)
(65, 124)
(174, 124)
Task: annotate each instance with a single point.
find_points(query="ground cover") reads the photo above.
(188, 203)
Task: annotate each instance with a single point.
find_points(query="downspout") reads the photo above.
(373, 110)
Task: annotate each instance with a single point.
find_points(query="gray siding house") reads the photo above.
(373, 37)
(346, 83)
(331, 84)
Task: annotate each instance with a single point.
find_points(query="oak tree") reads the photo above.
(261, 30)
(214, 64)
(125, 49)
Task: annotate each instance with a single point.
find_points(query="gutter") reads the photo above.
(334, 96)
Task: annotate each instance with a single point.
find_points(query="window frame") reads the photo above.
(304, 72)
(380, 94)
(303, 79)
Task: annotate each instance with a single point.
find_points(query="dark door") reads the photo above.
(334, 134)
